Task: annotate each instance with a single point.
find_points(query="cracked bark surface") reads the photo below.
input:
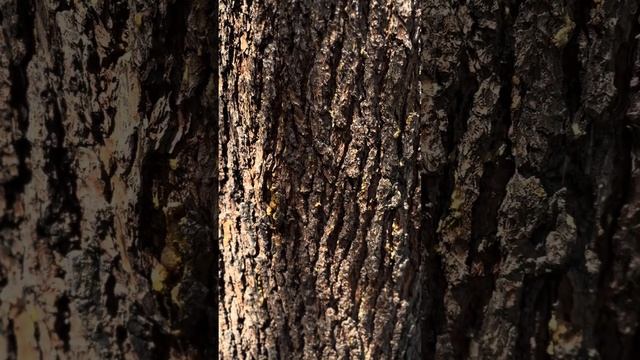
(398, 179)
(405, 179)
(107, 179)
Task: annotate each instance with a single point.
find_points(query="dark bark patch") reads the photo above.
(62, 325)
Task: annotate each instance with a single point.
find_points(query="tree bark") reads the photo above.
(108, 182)
(394, 179)
(436, 179)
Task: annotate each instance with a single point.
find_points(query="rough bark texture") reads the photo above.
(429, 179)
(107, 179)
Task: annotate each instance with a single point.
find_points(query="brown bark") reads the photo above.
(107, 179)
(399, 179)
(429, 179)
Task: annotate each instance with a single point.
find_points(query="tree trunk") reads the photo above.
(402, 179)
(107, 174)
(429, 179)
